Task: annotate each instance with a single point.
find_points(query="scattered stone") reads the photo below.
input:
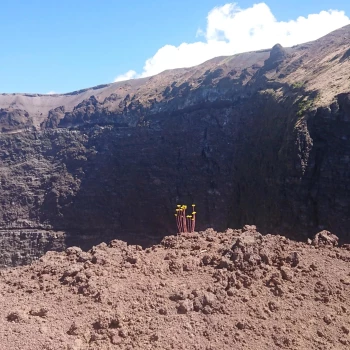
(320, 333)
(344, 341)
(184, 306)
(345, 329)
(163, 311)
(287, 274)
(240, 325)
(230, 292)
(345, 281)
(209, 299)
(273, 306)
(327, 319)
(73, 329)
(325, 238)
(207, 310)
(42, 312)
(293, 259)
(249, 228)
(154, 337)
(123, 333)
(73, 251)
(16, 316)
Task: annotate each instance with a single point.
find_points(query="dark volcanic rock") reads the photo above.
(13, 119)
(21, 247)
(54, 118)
(277, 56)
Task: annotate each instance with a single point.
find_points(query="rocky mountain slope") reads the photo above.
(207, 290)
(258, 137)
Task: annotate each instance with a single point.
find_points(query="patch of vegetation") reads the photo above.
(298, 85)
(308, 102)
(185, 223)
(304, 106)
(269, 92)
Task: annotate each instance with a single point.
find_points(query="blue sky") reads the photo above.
(62, 45)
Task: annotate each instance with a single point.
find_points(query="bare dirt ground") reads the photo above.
(206, 290)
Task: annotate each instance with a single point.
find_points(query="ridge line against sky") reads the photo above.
(65, 46)
(231, 30)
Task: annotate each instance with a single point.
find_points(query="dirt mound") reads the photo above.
(207, 290)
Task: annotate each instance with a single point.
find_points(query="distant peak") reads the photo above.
(277, 55)
(278, 52)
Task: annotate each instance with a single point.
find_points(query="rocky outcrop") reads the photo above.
(21, 247)
(12, 119)
(325, 238)
(54, 117)
(277, 56)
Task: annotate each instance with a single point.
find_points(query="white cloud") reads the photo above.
(232, 30)
(51, 93)
(131, 74)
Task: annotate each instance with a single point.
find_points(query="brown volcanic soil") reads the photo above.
(206, 290)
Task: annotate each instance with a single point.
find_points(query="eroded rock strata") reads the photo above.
(258, 137)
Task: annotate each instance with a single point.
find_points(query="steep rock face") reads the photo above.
(54, 117)
(328, 173)
(256, 137)
(302, 170)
